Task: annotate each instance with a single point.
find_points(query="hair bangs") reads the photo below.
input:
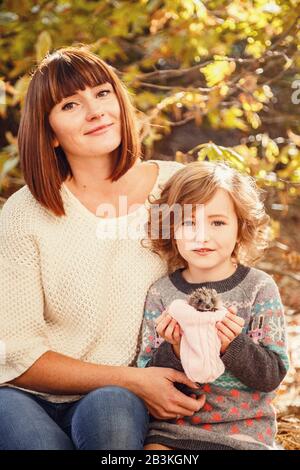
(66, 74)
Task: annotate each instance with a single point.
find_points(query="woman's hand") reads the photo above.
(155, 386)
(229, 328)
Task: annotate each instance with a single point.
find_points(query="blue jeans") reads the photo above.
(109, 418)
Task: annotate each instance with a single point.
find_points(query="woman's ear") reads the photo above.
(55, 142)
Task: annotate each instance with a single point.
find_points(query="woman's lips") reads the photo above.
(99, 130)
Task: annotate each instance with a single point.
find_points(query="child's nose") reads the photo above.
(201, 233)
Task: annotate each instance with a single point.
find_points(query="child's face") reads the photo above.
(213, 226)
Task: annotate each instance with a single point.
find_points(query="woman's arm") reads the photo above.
(22, 324)
(59, 374)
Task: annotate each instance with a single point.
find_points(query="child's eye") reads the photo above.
(218, 223)
(68, 106)
(188, 223)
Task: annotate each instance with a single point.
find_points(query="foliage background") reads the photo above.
(210, 79)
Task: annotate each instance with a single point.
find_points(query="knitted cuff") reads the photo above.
(233, 353)
(164, 356)
(174, 361)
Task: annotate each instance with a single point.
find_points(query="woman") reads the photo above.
(71, 296)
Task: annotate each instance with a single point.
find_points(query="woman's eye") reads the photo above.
(103, 93)
(71, 104)
(68, 106)
(218, 223)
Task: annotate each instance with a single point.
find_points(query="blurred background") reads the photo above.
(210, 80)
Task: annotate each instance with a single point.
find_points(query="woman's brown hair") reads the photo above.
(58, 76)
(196, 184)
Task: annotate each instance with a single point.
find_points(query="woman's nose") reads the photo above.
(93, 111)
(94, 115)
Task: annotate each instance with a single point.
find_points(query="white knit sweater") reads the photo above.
(65, 288)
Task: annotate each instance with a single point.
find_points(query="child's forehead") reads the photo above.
(220, 203)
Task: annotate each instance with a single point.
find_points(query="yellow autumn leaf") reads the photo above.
(256, 49)
(20, 89)
(253, 119)
(294, 137)
(2, 99)
(249, 103)
(271, 150)
(214, 98)
(218, 70)
(231, 118)
(43, 45)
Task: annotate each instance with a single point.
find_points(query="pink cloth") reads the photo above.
(200, 345)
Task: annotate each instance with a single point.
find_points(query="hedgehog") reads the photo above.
(200, 344)
(204, 299)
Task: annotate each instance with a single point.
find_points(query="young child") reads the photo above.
(213, 246)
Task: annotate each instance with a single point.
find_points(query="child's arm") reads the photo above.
(150, 340)
(161, 335)
(156, 349)
(258, 357)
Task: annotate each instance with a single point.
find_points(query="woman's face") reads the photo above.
(88, 122)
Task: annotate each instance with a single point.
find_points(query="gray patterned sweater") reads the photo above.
(238, 413)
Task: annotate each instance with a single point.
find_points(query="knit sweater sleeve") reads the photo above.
(258, 356)
(22, 336)
(150, 339)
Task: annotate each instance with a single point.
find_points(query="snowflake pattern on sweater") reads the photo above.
(238, 411)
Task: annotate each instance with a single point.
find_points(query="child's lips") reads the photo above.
(203, 251)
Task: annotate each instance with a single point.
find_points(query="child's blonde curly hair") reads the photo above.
(197, 183)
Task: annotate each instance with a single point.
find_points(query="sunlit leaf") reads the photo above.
(218, 70)
(231, 118)
(20, 89)
(43, 45)
(294, 137)
(7, 167)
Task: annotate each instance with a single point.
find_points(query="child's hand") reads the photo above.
(168, 328)
(229, 328)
